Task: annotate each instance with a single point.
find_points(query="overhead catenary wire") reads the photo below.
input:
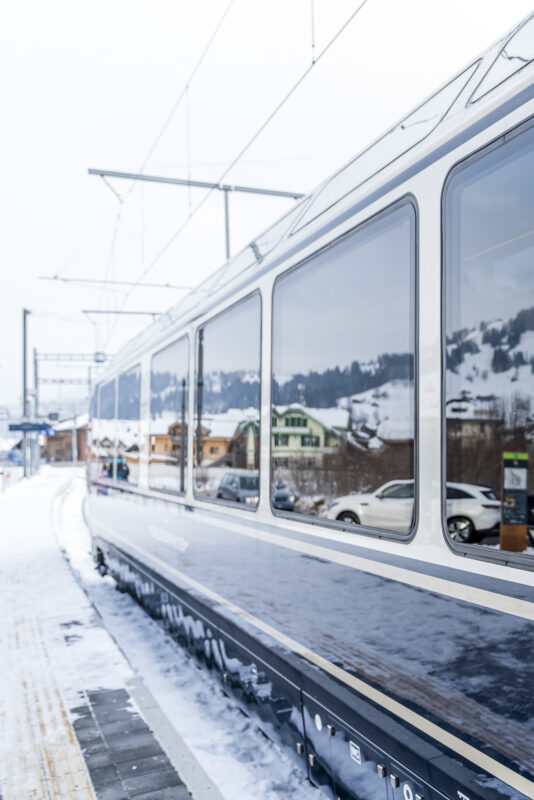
(238, 157)
(255, 136)
(183, 94)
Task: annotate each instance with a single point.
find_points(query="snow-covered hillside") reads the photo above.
(490, 370)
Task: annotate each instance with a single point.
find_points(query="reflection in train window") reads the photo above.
(92, 456)
(103, 433)
(343, 378)
(489, 359)
(129, 405)
(227, 405)
(168, 418)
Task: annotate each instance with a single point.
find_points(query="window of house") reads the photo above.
(343, 365)
(227, 405)
(489, 345)
(295, 422)
(128, 426)
(167, 469)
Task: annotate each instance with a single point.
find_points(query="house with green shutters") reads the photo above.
(306, 434)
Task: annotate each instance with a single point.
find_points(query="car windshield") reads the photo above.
(490, 494)
(249, 484)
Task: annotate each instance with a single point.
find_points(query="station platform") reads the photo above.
(75, 719)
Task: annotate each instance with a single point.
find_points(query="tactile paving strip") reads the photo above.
(41, 756)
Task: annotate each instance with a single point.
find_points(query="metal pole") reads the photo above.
(25, 313)
(37, 450)
(89, 389)
(74, 443)
(227, 223)
(36, 381)
(182, 441)
(200, 384)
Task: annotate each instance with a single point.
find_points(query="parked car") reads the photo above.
(283, 498)
(472, 511)
(240, 487)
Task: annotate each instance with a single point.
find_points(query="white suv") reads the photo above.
(472, 511)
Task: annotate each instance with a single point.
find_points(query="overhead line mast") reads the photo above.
(221, 187)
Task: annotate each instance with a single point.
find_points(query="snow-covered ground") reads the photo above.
(234, 753)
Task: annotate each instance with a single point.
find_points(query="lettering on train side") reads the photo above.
(171, 539)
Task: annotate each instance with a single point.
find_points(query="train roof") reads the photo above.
(485, 82)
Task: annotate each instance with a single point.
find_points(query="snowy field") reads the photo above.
(233, 752)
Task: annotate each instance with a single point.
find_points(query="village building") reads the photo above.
(68, 442)
(306, 434)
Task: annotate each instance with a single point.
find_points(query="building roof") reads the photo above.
(81, 421)
(332, 419)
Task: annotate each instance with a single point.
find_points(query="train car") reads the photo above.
(316, 469)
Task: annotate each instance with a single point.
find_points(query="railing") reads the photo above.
(9, 475)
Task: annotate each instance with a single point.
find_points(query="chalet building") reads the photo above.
(306, 434)
(58, 447)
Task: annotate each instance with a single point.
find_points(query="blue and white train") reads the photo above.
(314, 470)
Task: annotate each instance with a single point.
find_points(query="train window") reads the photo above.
(343, 379)
(168, 418)
(103, 433)
(489, 346)
(128, 426)
(227, 405)
(92, 458)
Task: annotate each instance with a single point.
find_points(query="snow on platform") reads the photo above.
(81, 718)
(70, 728)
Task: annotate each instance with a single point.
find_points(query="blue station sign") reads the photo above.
(29, 427)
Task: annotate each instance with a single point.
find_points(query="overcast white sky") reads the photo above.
(90, 85)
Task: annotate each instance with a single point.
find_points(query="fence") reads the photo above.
(9, 475)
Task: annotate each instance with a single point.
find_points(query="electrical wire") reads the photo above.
(184, 93)
(251, 141)
(181, 96)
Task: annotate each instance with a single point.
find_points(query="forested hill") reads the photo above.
(323, 389)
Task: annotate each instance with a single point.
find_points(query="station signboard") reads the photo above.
(29, 427)
(514, 507)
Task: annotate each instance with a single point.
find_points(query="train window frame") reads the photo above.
(114, 380)
(507, 558)
(171, 492)
(215, 500)
(407, 199)
(136, 366)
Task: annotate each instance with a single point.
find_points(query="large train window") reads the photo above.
(103, 433)
(489, 347)
(343, 412)
(227, 406)
(168, 418)
(128, 426)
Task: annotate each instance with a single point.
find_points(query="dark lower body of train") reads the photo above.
(386, 678)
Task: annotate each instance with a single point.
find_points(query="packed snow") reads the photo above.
(229, 746)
